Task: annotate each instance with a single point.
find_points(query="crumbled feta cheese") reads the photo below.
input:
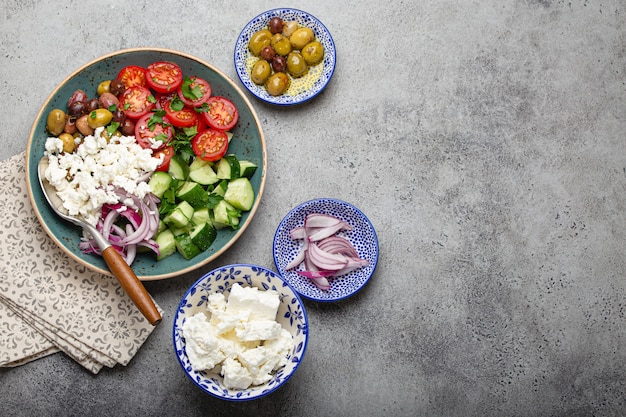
(258, 330)
(243, 332)
(202, 345)
(235, 375)
(87, 178)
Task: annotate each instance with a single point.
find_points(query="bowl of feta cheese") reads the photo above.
(246, 143)
(240, 332)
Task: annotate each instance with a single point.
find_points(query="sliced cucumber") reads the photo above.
(240, 194)
(226, 214)
(186, 247)
(193, 193)
(247, 168)
(228, 168)
(167, 244)
(159, 183)
(181, 231)
(180, 216)
(178, 168)
(201, 216)
(220, 189)
(218, 226)
(198, 163)
(203, 235)
(203, 175)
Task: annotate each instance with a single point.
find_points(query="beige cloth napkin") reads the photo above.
(49, 302)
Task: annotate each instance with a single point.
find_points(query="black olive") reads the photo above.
(117, 87)
(275, 25)
(279, 63)
(78, 95)
(127, 127)
(119, 116)
(92, 105)
(268, 53)
(77, 109)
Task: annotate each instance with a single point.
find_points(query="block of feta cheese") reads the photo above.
(264, 304)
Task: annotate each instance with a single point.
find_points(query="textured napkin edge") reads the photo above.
(69, 347)
(27, 359)
(39, 346)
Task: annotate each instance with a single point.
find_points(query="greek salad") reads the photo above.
(147, 162)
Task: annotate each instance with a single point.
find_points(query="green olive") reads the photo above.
(281, 44)
(68, 142)
(56, 122)
(313, 53)
(277, 84)
(99, 117)
(106, 135)
(301, 37)
(259, 40)
(260, 72)
(104, 87)
(296, 65)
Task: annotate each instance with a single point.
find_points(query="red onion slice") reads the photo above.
(298, 233)
(336, 244)
(319, 278)
(320, 220)
(324, 254)
(326, 260)
(328, 231)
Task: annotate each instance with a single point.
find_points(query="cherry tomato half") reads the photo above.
(194, 91)
(210, 144)
(153, 131)
(132, 75)
(164, 76)
(222, 113)
(184, 117)
(168, 153)
(136, 101)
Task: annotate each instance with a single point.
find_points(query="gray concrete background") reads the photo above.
(484, 140)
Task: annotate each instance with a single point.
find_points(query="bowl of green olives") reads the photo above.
(285, 56)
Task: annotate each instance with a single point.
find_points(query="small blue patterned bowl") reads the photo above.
(301, 89)
(291, 315)
(363, 238)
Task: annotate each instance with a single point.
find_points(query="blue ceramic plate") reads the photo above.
(301, 89)
(363, 238)
(291, 315)
(248, 143)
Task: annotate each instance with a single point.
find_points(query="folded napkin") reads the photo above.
(49, 302)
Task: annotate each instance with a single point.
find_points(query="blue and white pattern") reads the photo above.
(291, 315)
(363, 237)
(243, 55)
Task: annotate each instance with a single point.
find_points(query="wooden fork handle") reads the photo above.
(131, 284)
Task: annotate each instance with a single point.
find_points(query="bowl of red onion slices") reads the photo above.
(326, 249)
